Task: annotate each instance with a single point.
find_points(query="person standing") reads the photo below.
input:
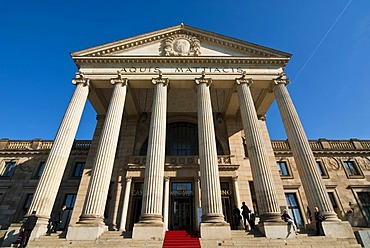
(29, 225)
(236, 217)
(245, 214)
(286, 217)
(58, 218)
(319, 219)
(252, 219)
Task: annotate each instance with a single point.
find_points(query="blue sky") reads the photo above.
(329, 70)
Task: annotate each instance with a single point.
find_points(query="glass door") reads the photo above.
(181, 206)
(69, 201)
(293, 208)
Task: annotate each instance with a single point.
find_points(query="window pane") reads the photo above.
(283, 168)
(364, 198)
(319, 167)
(28, 201)
(41, 169)
(9, 169)
(293, 208)
(351, 168)
(79, 168)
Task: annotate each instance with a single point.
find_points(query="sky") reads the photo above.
(329, 70)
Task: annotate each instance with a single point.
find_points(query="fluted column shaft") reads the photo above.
(166, 201)
(236, 191)
(126, 200)
(303, 156)
(151, 210)
(261, 171)
(48, 186)
(211, 191)
(97, 193)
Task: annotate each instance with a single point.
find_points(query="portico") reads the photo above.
(153, 93)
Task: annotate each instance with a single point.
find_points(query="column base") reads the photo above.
(337, 229)
(276, 230)
(85, 231)
(219, 231)
(148, 231)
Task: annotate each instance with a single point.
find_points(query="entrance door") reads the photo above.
(293, 208)
(181, 216)
(181, 206)
(69, 201)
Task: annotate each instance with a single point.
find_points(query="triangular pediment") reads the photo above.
(180, 41)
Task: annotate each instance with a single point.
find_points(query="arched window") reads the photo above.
(181, 140)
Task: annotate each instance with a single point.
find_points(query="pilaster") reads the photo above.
(125, 204)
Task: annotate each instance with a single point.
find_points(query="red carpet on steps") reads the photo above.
(181, 239)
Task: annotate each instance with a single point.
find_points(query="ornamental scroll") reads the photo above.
(181, 45)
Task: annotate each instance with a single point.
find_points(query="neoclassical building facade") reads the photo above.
(180, 140)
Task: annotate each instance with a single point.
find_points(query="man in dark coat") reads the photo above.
(245, 213)
(28, 226)
(57, 220)
(319, 219)
(236, 217)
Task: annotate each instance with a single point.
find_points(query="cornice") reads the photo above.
(171, 60)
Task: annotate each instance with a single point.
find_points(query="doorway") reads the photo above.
(181, 217)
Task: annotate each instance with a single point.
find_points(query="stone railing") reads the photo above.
(38, 144)
(323, 144)
(365, 144)
(82, 144)
(19, 145)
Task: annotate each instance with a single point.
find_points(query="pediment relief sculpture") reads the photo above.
(181, 45)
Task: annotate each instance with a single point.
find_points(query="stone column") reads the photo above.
(126, 200)
(197, 201)
(213, 225)
(262, 177)
(48, 186)
(237, 201)
(91, 224)
(311, 180)
(151, 224)
(166, 201)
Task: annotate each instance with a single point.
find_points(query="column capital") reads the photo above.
(244, 80)
(203, 79)
(261, 117)
(160, 79)
(118, 80)
(166, 179)
(281, 81)
(80, 79)
(128, 179)
(235, 178)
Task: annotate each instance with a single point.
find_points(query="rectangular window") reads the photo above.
(335, 204)
(364, 198)
(27, 202)
(8, 169)
(69, 201)
(79, 168)
(320, 169)
(293, 208)
(283, 168)
(40, 169)
(254, 198)
(351, 168)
